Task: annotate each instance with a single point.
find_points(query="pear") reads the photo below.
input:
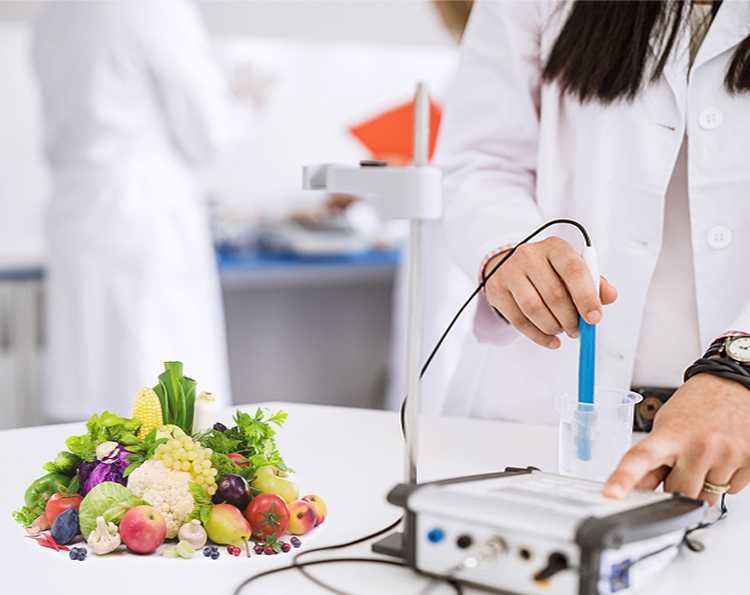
(227, 526)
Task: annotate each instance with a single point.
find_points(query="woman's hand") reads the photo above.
(702, 434)
(541, 289)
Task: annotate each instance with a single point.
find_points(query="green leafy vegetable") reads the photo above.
(199, 493)
(226, 465)
(104, 428)
(202, 510)
(23, 516)
(176, 394)
(117, 510)
(253, 437)
(107, 497)
(142, 452)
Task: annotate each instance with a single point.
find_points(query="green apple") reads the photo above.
(269, 479)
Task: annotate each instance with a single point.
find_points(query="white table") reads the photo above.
(351, 457)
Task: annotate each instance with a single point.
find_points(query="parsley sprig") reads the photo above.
(253, 437)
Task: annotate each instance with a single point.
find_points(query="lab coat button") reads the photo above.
(719, 237)
(710, 118)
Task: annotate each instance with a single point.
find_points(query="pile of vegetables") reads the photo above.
(167, 456)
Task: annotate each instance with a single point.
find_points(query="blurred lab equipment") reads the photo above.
(134, 105)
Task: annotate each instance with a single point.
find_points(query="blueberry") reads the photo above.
(295, 542)
(215, 555)
(207, 551)
(73, 554)
(214, 548)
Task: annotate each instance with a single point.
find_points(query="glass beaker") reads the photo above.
(594, 437)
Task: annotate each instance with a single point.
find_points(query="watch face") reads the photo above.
(738, 349)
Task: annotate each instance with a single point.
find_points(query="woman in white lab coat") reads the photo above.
(656, 171)
(133, 106)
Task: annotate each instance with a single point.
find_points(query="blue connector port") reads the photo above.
(435, 535)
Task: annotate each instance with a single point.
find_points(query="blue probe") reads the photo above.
(586, 367)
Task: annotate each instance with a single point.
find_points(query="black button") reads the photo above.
(464, 541)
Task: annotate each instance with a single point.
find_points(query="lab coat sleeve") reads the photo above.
(489, 140)
(205, 121)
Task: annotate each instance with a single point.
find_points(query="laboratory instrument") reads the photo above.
(519, 531)
(527, 532)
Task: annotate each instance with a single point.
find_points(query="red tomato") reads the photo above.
(60, 502)
(236, 458)
(267, 514)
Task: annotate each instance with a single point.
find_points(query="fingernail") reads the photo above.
(593, 317)
(615, 490)
(573, 334)
(554, 343)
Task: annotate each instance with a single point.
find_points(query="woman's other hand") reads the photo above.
(702, 434)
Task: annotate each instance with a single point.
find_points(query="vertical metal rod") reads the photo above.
(414, 349)
(414, 344)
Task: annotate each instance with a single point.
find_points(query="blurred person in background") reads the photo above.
(134, 106)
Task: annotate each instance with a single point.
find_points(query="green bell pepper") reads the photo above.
(40, 491)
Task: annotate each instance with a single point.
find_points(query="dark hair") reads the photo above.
(602, 52)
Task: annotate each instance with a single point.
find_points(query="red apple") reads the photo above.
(319, 505)
(143, 529)
(301, 517)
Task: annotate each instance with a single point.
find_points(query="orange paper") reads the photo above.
(390, 135)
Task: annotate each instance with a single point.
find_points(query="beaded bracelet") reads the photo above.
(721, 368)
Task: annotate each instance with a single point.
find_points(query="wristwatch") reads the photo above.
(736, 349)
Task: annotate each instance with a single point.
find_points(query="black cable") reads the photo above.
(531, 236)
(724, 511)
(253, 578)
(455, 585)
(300, 565)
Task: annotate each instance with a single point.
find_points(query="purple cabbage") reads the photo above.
(109, 465)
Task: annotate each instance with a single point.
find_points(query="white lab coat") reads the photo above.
(516, 154)
(133, 106)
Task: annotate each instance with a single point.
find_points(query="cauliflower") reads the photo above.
(166, 490)
(105, 538)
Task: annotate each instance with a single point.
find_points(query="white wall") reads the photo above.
(409, 32)
(23, 176)
(380, 21)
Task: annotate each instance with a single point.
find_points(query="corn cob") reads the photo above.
(147, 408)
